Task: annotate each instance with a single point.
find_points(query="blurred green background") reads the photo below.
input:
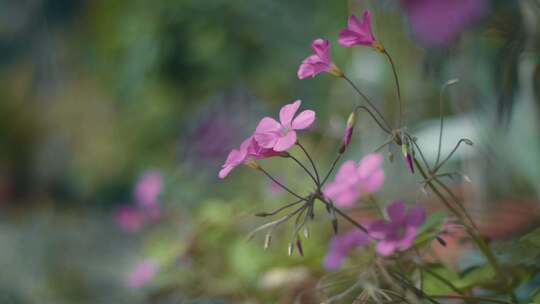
(96, 93)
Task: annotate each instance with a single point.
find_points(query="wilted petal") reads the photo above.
(303, 120)
(285, 142)
(287, 112)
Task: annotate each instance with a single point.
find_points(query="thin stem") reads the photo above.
(305, 169)
(344, 215)
(397, 86)
(374, 118)
(463, 209)
(280, 184)
(280, 209)
(331, 168)
(441, 95)
(367, 100)
(480, 242)
(471, 298)
(449, 155)
(311, 161)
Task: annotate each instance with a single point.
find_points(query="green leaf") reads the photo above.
(431, 228)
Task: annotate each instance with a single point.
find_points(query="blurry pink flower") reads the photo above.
(280, 136)
(318, 62)
(353, 181)
(249, 150)
(143, 273)
(440, 22)
(399, 233)
(130, 219)
(357, 32)
(148, 189)
(341, 245)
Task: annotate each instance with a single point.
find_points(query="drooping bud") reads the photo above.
(306, 232)
(408, 156)
(299, 246)
(351, 121)
(468, 141)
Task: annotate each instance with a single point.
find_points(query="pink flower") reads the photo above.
(280, 136)
(249, 150)
(143, 273)
(399, 233)
(352, 181)
(357, 32)
(341, 245)
(129, 219)
(318, 62)
(148, 189)
(440, 22)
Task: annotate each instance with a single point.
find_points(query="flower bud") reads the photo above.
(290, 249)
(351, 121)
(299, 246)
(408, 156)
(267, 240)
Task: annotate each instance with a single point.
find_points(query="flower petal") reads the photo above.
(348, 38)
(305, 70)
(354, 24)
(322, 49)
(370, 164)
(416, 217)
(266, 140)
(287, 112)
(285, 142)
(378, 229)
(225, 171)
(386, 248)
(373, 183)
(408, 238)
(347, 172)
(396, 211)
(268, 124)
(303, 120)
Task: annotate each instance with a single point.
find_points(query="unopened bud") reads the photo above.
(290, 249)
(306, 232)
(351, 121)
(467, 178)
(267, 240)
(299, 246)
(467, 141)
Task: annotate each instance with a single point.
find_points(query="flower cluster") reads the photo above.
(271, 138)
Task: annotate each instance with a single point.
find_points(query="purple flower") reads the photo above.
(341, 245)
(399, 233)
(281, 135)
(129, 218)
(352, 180)
(440, 22)
(319, 61)
(143, 273)
(249, 150)
(357, 32)
(148, 189)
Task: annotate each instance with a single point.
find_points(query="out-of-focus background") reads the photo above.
(115, 117)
